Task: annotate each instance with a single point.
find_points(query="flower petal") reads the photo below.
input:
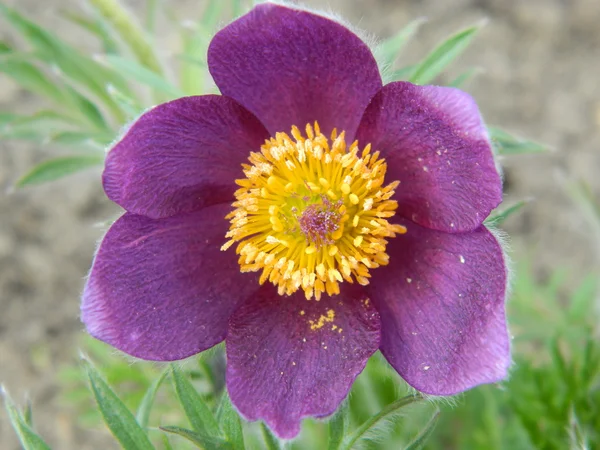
(437, 146)
(289, 358)
(292, 67)
(162, 289)
(182, 156)
(441, 301)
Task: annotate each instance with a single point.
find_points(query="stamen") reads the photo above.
(312, 213)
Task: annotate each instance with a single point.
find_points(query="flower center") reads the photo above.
(312, 212)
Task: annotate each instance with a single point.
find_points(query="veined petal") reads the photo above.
(292, 67)
(161, 289)
(182, 156)
(442, 302)
(436, 145)
(289, 358)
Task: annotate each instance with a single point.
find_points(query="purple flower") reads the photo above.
(354, 213)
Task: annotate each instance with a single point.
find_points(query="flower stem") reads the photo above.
(382, 415)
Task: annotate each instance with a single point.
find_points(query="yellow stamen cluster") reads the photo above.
(312, 212)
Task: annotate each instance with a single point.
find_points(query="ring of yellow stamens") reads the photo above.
(311, 214)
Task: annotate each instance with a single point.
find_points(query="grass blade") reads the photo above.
(388, 51)
(117, 417)
(70, 61)
(230, 421)
(506, 144)
(79, 139)
(499, 218)
(143, 413)
(198, 439)
(338, 425)
(21, 70)
(36, 126)
(271, 442)
(29, 439)
(96, 27)
(141, 74)
(200, 416)
(443, 55)
(402, 74)
(464, 77)
(166, 443)
(421, 439)
(55, 168)
(124, 24)
(127, 104)
(193, 66)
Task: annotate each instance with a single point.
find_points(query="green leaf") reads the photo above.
(425, 433)
(500, 217)
(196, 37)
(582, 299)
(193, 66)
(29, 439)
(337, 427)
(53, 169)
(271, 442)
(583, 196)
(230, 422)
(36, 126)
(124, 23)
(388, 51)
(77, 138)
(140, 74)
(443, 55)
(166, 443)
(97, 27)
(26, 74)
(200, 440)
(386, 414)
(402, 74)
(506, 144)
(69, 60)
(464, 77)
(143, 413)
(89, 110)
(28, 414)
(117, 417)
(211, 14)
(200, 416)
(131, 108)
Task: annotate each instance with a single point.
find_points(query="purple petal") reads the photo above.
(291, 67)
(182, 156)
(162, 289)
(441, 301)
(436, 145)
(290, 358)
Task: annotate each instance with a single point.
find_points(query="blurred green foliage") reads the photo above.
(550, 401)
(90, 97)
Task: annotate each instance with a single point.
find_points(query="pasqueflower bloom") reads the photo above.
(308, 216)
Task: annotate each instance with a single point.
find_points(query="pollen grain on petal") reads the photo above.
(312, 213)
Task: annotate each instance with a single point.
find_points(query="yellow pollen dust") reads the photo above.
(322, 320)
(312, 212)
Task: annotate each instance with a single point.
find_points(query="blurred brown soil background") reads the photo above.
(540, 61)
